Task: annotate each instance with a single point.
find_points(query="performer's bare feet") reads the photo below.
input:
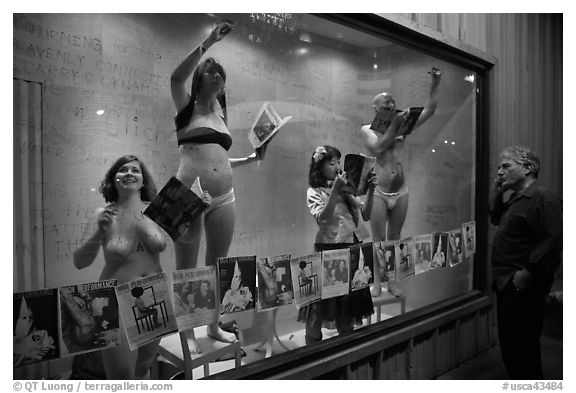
(217, 333)
(394, 290)
(192, 343)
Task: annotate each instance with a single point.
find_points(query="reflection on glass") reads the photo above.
(324, 75)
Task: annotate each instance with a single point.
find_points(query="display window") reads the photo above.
(340, 163)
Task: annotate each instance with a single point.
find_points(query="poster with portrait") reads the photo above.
(274, 282)
(423, 245)
(237, 278)
(361, 266)
(404, 258)
(306, 276)
(385, 259)
(195, 297)
(469, 238)
(335, 273)
(146, 310)
(89, 319)
(455, 251)
(35, 327)
(440, 250)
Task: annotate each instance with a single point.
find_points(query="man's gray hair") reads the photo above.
(523, 156)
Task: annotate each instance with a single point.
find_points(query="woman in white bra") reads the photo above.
(203, 143)
(132, 244)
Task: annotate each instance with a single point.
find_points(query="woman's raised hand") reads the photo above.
(104, 219)
(222, 28)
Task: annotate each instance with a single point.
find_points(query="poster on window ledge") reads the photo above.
(274, 282)
(237, 277)
(404, 258)
(146, 309)
(335, 276)
(469, 238)
(35, 333)
(195, 297)
(385, 259)
(455, 251)
(89, 319)
(440, 250)
(361, 266)
(306, 276)
(423, 245)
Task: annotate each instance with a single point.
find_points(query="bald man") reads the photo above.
(386, 143)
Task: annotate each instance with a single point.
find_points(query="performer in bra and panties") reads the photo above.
(203, 143)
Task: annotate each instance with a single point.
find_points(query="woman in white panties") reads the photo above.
(204, 141)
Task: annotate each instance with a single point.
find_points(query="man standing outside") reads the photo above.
(525, 255)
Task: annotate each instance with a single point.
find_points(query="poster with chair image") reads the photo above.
(306, 275)
(146, 309)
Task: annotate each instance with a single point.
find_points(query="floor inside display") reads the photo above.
(254, 328)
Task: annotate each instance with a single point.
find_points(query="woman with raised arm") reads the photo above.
(131, 243)
(203, 143)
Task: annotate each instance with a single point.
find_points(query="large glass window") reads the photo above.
(106, 93)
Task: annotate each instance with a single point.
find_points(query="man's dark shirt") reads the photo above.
(529, 236)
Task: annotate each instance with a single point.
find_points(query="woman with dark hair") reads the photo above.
(131, 244)
(203, 143)
(336, 212)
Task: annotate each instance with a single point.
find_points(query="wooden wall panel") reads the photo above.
(468, 337)
(450, 25)
(424, 356)
(447, 348)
